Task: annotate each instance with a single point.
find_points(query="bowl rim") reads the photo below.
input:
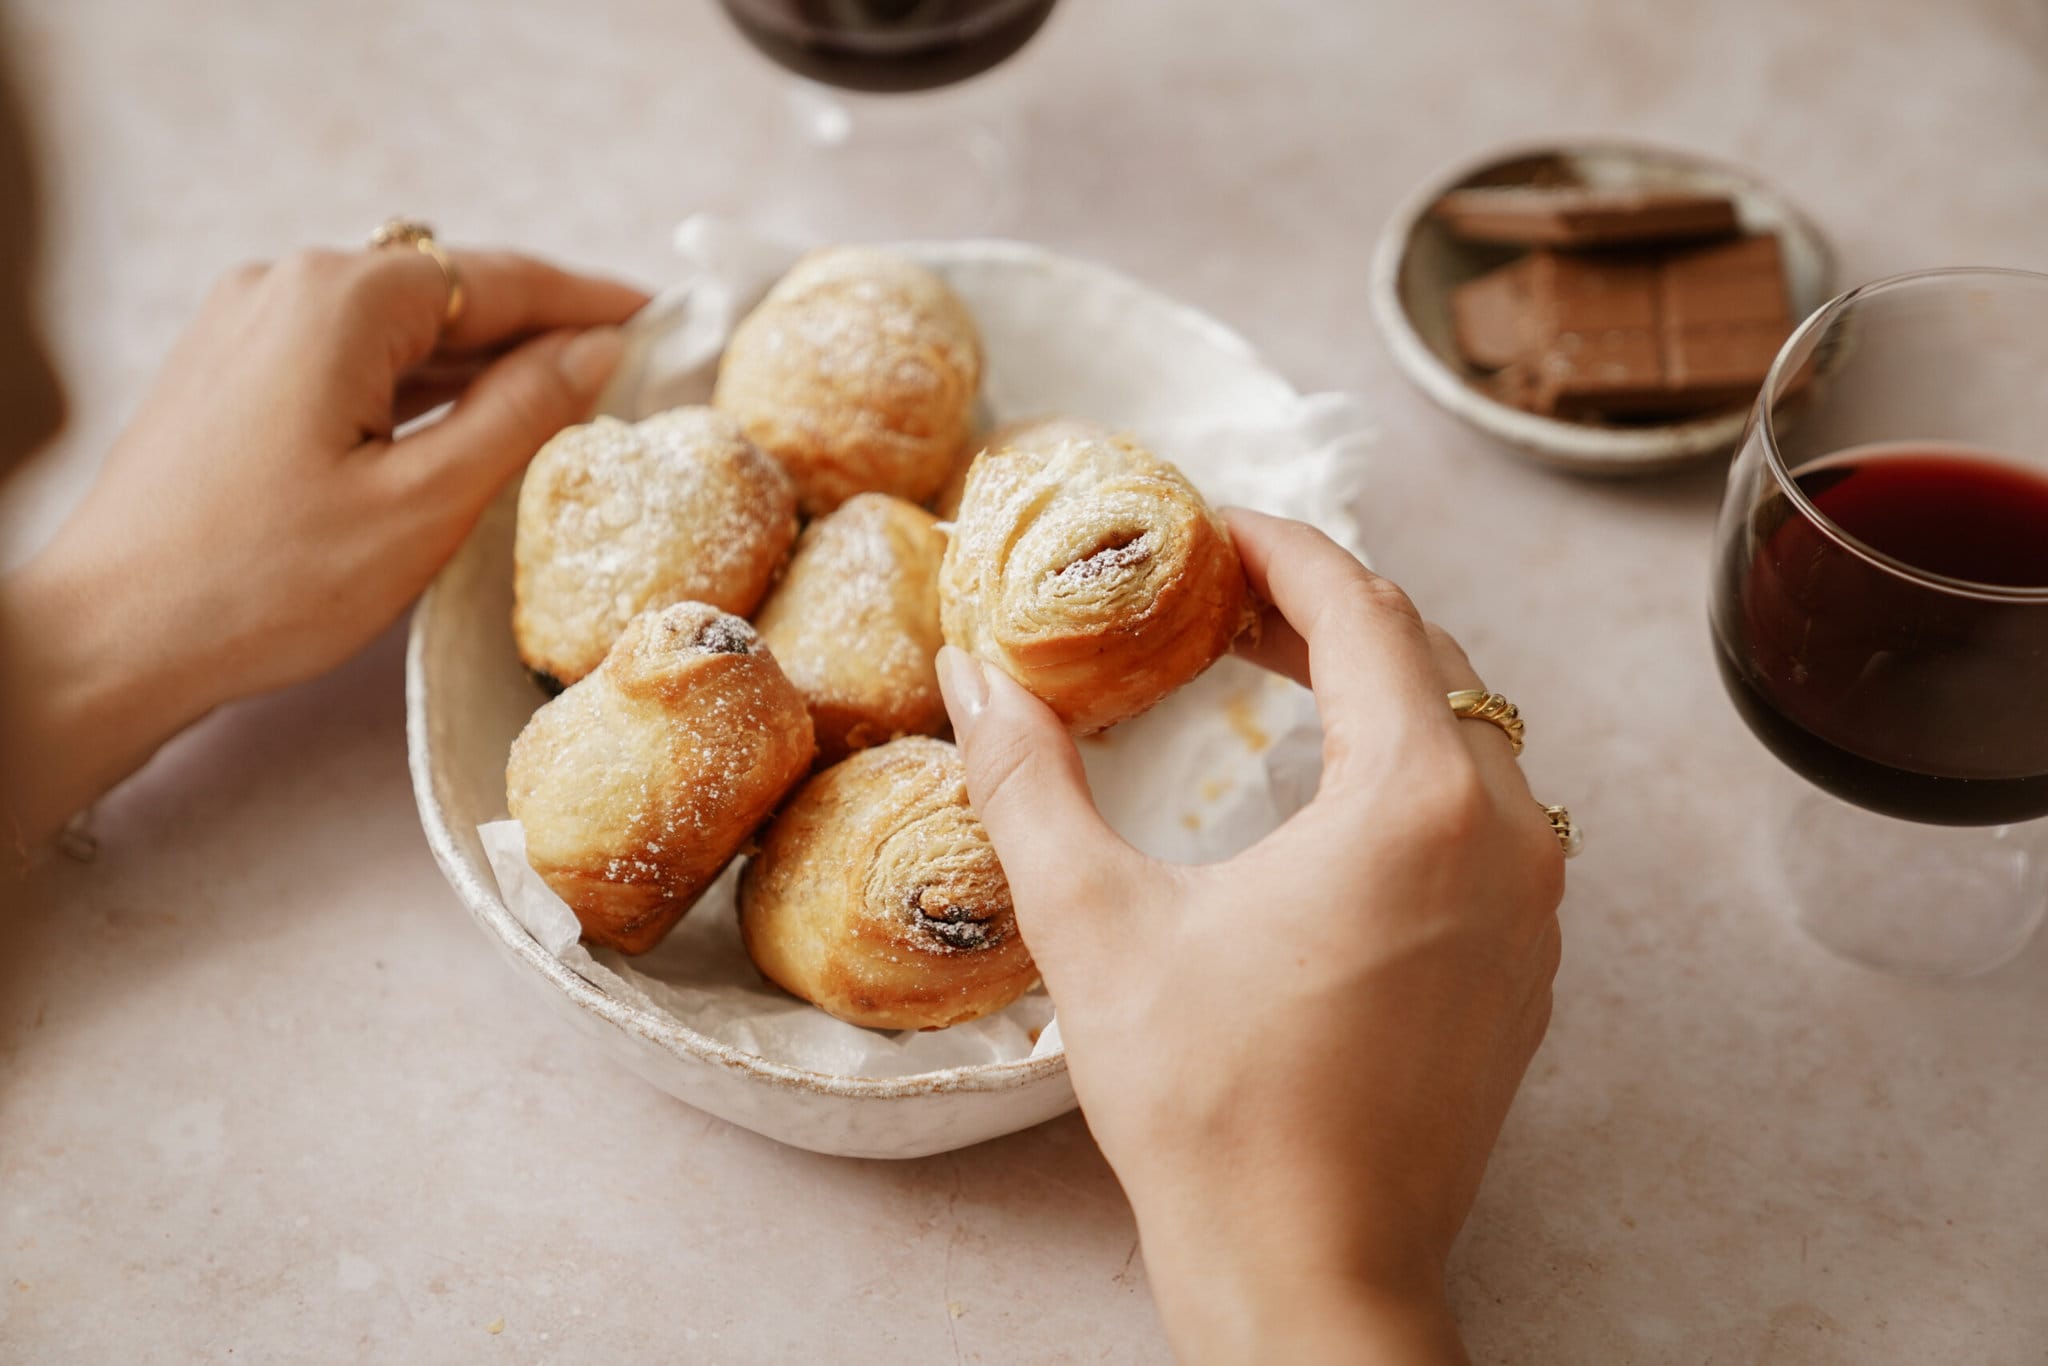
(1569, 445)
(487, 907)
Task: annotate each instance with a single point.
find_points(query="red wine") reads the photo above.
(1911, 699)
(888, 45)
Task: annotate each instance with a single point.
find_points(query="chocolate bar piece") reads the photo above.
(1656, 336)
(1492, 316)
(1724, 316)
(1596, 333)
(1627, 334)
(1581, 216)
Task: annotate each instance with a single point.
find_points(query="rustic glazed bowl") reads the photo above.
(1062, 336)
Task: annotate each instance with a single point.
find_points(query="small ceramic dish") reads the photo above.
(1417, 264)
(1061, 336)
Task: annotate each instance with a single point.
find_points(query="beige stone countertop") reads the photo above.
(229, 1131)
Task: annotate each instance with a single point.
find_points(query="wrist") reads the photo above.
(1244, 1313)
(1240, 1279)
(90, 686)
(1264, 1313)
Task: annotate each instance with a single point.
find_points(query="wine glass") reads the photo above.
(1880, 612)
(885, 159)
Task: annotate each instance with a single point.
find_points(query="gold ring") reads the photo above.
(410, 232)
(1474, 704)
(1569, 837)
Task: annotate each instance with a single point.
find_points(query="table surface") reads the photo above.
(263, 1089)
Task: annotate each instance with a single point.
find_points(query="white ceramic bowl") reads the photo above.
(1417, 264)
(1061, 335)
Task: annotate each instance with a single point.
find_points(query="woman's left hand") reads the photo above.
(258, 522)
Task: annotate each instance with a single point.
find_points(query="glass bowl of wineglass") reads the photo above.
(872, 151)
(1880, 615)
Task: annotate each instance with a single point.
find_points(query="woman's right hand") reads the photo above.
(1297, 1061)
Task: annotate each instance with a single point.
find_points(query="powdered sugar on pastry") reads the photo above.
(615, 518)
(858, 372)
(638, 784)
(855, 623)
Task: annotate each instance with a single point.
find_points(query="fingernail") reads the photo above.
(590, 357)
(965, 685)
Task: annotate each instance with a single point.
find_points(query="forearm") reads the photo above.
(84, 699)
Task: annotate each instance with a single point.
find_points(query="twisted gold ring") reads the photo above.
(1569, 837)
(1475, 704)
(410, 232)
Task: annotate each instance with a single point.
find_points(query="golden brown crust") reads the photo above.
(877, 897)
(858, 372)
(1032, 433)
(855, 623)
(639, 784)
(1092, 572)
(616, 518)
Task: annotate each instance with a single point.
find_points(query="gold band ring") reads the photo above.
(1569, 837)
(410, 232)
(1475, 704)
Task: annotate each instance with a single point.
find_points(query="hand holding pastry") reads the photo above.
(263, 469)
(1298, 1060)
(1091, 571)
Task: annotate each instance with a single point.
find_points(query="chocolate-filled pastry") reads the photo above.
(1091, 571)
(617, 517)
(637, 785)
(1036, 433)
(855, 623)
(877, 897)
(858, 372)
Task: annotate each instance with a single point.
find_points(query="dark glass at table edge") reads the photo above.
(981, 34)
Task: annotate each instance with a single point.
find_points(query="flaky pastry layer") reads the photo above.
(638, 784)
(1091, 571)
(877, 897)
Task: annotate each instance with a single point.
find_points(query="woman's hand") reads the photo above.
(1297, 1061)
(257, 522)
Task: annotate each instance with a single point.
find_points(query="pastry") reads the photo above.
(857, 372)
(616, 517)
(855, 623)
(1035, 433)
(877, 897)
(638, 784)
(1091, 571)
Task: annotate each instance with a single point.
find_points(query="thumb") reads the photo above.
(1025, 779)
(511, 409)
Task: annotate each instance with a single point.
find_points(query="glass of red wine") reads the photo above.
(1880, 615)
(874, 153)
